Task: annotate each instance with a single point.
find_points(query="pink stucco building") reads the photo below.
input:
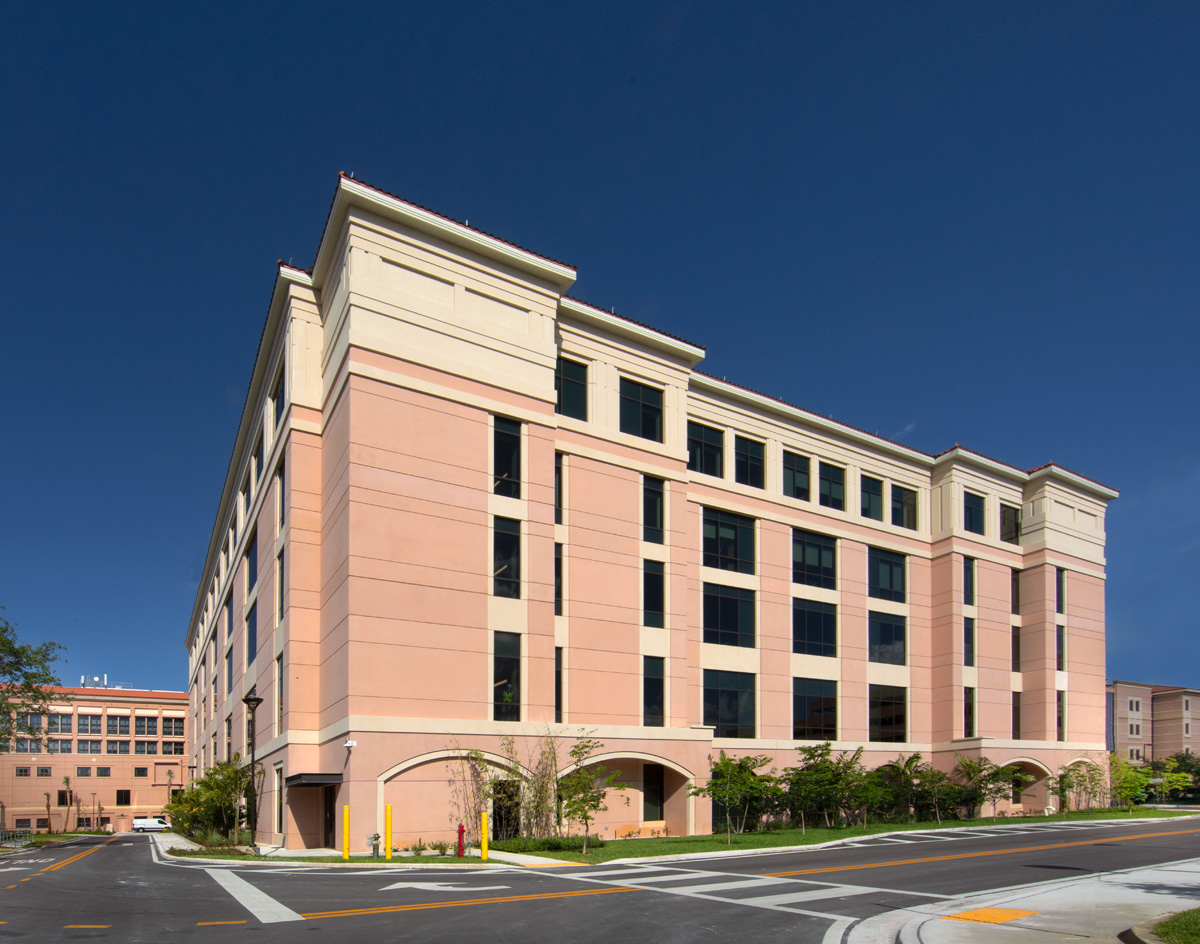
(463, 505)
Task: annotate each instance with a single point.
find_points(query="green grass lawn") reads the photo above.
(1183, 928)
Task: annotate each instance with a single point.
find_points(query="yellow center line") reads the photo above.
(74, 858)
(973, 855)
(391, 909)
(206, 924)
(87, 925)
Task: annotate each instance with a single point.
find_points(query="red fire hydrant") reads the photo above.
(461, 829)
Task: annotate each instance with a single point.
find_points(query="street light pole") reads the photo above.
(252, 702)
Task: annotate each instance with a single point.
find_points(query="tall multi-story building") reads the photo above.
(463, 505)
(1148, 722)
(102, 757)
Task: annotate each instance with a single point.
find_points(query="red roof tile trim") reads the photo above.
(640, 324)
(118, 692)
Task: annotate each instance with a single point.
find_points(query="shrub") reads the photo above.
(523, 844)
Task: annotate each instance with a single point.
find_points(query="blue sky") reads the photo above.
(970, 223)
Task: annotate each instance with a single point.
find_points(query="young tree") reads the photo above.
(734, 785)
(67, 815)
(806, 786)
(1126, 782)
(933, 789)
(585, 788)
(25, 672)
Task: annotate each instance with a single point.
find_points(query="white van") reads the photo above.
(149, 824)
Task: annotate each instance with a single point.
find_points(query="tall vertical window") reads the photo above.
(748, 462)
(729, 703)
(228, 741)
(1014, 592)
(706, 449)
(506, 677)
(795, 475)
(641, 410)
(252, 563)
(1016, 648)
(653, 790)
(814, 709)
(1060, 702)
(973, 513)
(280, 585)
(814, 628)
(833, 486)
(506, 458)
(1010, 524)
(653, 593)
(885, 638)
(558, 580)
(252, 634)
(1016, 716)
(652, 510)
(558, 689)
(653, 691)
(814, 559)
(728, 616)
(281, 493)
(968, 581)
(1060, 648)
(885, 575)
(558, 488)
(256, 470)
(277, 397)
(506, 558)
(278, 799)
(872, 497)
(904, 507)
(228, 618)
(229, 669)
(968, 712)
(1060, 590)
(570, 388)
(968, 641)
(279, 693)
(728, 541)
(886, 714)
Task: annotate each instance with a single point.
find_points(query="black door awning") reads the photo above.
(312, 780)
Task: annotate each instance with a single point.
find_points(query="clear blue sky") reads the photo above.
(966, 222)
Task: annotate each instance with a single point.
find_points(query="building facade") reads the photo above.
(463, 505)
(1148, 722)
(103, 756)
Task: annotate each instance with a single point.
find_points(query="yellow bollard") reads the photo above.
(387, 830)
(345, 832)
(483, 833)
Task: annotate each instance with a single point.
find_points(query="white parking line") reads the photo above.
(257, 902)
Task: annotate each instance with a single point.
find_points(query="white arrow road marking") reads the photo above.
(445, 887)
(15, 868)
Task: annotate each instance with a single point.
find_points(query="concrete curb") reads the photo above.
(1144, 933)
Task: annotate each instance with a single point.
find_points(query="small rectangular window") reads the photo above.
(1060, 648)
(885, 575)
(122, 798)
(1016, 649)
(146, 727)
(83, 771)
(641, 410)
(728, 616)
(729, 703)
(141, 771)
(558, 488)
(1010, 524)
(118, 724)
(653, 691)
(885, 638)
(833, 486)
(748, 462)
(558, 580)
(904, 507)
(886, 713)
(968, 581)
(103, 771)
(706, 449)
(24, 771)
(506, 558)
(506, 458)
(814, 709)
(653, 522)
(43, 771)
(968, 712)
(652, 792)
(653, 594)
(1060, 590)
(795, 475)
(1061, 705)
(1016, 716)
(1014, 592)
(570, 388)
(872, 497)
(506, 677)
(814, 628)
(558, 689)
(973, 513)
(814, 559)
(968, 641)
(728, 541)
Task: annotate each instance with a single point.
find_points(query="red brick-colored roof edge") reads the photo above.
(294, 268)
(634, 321)
(116, 692)
(1063, 468)
(342, 175)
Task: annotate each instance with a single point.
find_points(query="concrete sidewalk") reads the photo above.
(1089, 907)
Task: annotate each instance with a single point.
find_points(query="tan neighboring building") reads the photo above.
(463, 505)
(1148, 722)
(122, 751)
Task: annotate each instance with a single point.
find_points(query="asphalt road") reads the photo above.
(120, 890)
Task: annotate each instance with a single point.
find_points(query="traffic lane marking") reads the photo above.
(445, 887)
(265, 908)
(420, 906)
(974, 855)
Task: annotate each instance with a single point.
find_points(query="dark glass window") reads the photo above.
(1016, 716)
(973, 512)
(904, 507)
(506, 458)
(1016, 648)
(277, 397)
(1061, 713)
(814, 628)
(728, 616)
(795, 476)
(968, 581)
(968, 641)
(570, 388)
(1060, 648)
(652, 792)
(833, 486)
(653, 593)
(558, 488)
(641, 410)
(252, 563)
(728, 541)
(146, 727)
(122, 798)
(968, 712)
(872, 497)
(1060, 590)
(1010, 524)
(118, 725)
(506, 677)
(885, 575)
(814, 709)
(558, 580)
(885, 706)
(706, 449)
(506, 558)
(653, 691)
(652, 509)
(885, 638)
(558, 699)
(814, 559)
(252, 634)
(729, 703)
(1015, 591)
(748, 462)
